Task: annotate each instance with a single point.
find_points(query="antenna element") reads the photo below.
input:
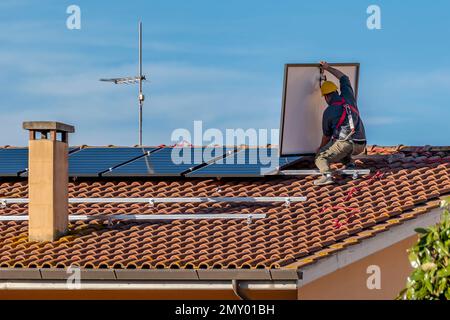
(133, 80)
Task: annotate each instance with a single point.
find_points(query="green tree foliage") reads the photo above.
(430, 257)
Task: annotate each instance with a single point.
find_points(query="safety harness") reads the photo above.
(346, 109)
(346, 113)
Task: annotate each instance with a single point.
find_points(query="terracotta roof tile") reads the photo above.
(332, 218)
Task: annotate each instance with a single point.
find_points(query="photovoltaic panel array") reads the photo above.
(86, 162)
(93, 161)
(159, 162)
(168, 162)
(13, 161)
(250, 162)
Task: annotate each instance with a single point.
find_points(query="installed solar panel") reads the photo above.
(251, 162)
(168, 162)
(13, 161)
(128, 161)
(93, 161)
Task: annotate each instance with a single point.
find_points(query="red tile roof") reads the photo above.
(409, 182)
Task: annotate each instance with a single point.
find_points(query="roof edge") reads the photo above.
(58, 274)
(366, 247)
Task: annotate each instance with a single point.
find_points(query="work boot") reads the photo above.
(324, 180)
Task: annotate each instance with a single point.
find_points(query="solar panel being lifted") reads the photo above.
(168, 162)
(250, 162)
(301, 112)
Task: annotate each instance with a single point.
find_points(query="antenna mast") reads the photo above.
(141, 77)
(132, 80)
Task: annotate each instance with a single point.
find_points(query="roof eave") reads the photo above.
(143, 275)
(365, 247)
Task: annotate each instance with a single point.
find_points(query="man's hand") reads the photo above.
(324, 141)
(324, 65)
(335, 72)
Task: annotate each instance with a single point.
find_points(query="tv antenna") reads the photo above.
(133, 80)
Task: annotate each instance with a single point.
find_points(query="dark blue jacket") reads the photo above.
(332, 114)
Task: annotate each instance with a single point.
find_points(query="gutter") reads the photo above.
(48, 274)
(150, 285)
(236, 280)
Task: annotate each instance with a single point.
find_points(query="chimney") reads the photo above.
(47, 179)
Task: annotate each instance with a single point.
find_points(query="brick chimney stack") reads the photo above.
(47, 179)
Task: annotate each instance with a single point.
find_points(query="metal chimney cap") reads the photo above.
(48, 125)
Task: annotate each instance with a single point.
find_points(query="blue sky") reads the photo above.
(220, 62)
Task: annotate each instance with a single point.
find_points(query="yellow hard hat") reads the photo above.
(328, 87)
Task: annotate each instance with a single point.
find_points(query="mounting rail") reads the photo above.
(147, 217)
(355, 173)
(151, 201)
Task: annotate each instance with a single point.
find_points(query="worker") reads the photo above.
(343, 129)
